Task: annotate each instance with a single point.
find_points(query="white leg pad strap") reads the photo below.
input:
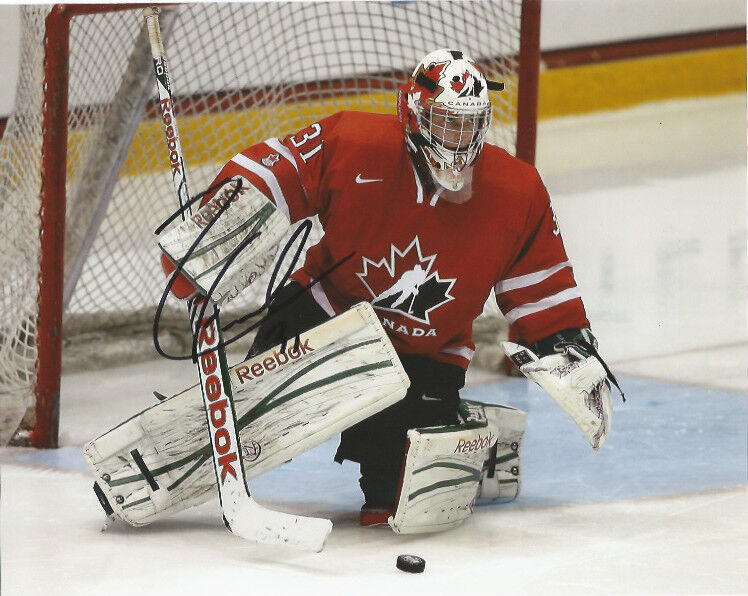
(159, 461)
(501, 476)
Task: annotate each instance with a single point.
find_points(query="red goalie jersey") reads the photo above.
(426, 265)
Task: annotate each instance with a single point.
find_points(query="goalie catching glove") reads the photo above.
(228, 243)
(576, 377)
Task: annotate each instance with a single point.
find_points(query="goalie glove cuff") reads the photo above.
(584, 345)
(549, 345)
(575, 344)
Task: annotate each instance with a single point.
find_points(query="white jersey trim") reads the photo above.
(268, 177)
(463, 351)
(419, 197)
(531, 308)
(523, 281)
(276, 145)
(321, 298)
(437, 196)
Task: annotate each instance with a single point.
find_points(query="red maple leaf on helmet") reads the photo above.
(459, 84)
(433, 72)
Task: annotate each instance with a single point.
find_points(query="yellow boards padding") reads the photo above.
(623, 83)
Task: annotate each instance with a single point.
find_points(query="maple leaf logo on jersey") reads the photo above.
(406, 282)
(271, 160)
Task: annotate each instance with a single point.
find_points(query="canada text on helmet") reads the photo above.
(446, 112)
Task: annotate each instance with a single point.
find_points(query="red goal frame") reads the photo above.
(53, 199)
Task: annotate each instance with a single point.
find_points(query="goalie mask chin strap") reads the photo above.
(562, 346)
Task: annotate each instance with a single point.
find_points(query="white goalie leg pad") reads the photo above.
(160, 461)
(501, 477)
(249, 217)
(442, 470)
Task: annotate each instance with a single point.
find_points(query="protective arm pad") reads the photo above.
(243, 231)
(576, 381)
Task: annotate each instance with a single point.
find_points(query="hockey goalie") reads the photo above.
(371, 336)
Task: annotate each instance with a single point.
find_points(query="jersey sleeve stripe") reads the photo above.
(527, 309)
(268, 177)
(276, 145)
(523, 281)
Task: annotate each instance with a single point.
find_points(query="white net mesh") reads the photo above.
(20, 153)
(241, 73)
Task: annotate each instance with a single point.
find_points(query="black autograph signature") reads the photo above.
(198, 307)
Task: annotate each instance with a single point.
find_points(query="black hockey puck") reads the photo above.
(411, 563)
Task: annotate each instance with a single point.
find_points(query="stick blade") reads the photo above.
(265, 526)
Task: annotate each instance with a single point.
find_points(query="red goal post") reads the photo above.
(84, 181)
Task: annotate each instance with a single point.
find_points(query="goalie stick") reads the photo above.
(242, 515)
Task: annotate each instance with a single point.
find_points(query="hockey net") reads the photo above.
(82, 154)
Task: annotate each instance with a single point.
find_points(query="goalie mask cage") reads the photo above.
(85, 178)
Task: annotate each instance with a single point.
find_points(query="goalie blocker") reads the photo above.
(159, 461)
(226, 245)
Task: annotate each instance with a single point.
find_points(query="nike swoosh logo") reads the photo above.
(360, 180)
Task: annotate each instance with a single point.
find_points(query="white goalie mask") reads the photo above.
(446, 113)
